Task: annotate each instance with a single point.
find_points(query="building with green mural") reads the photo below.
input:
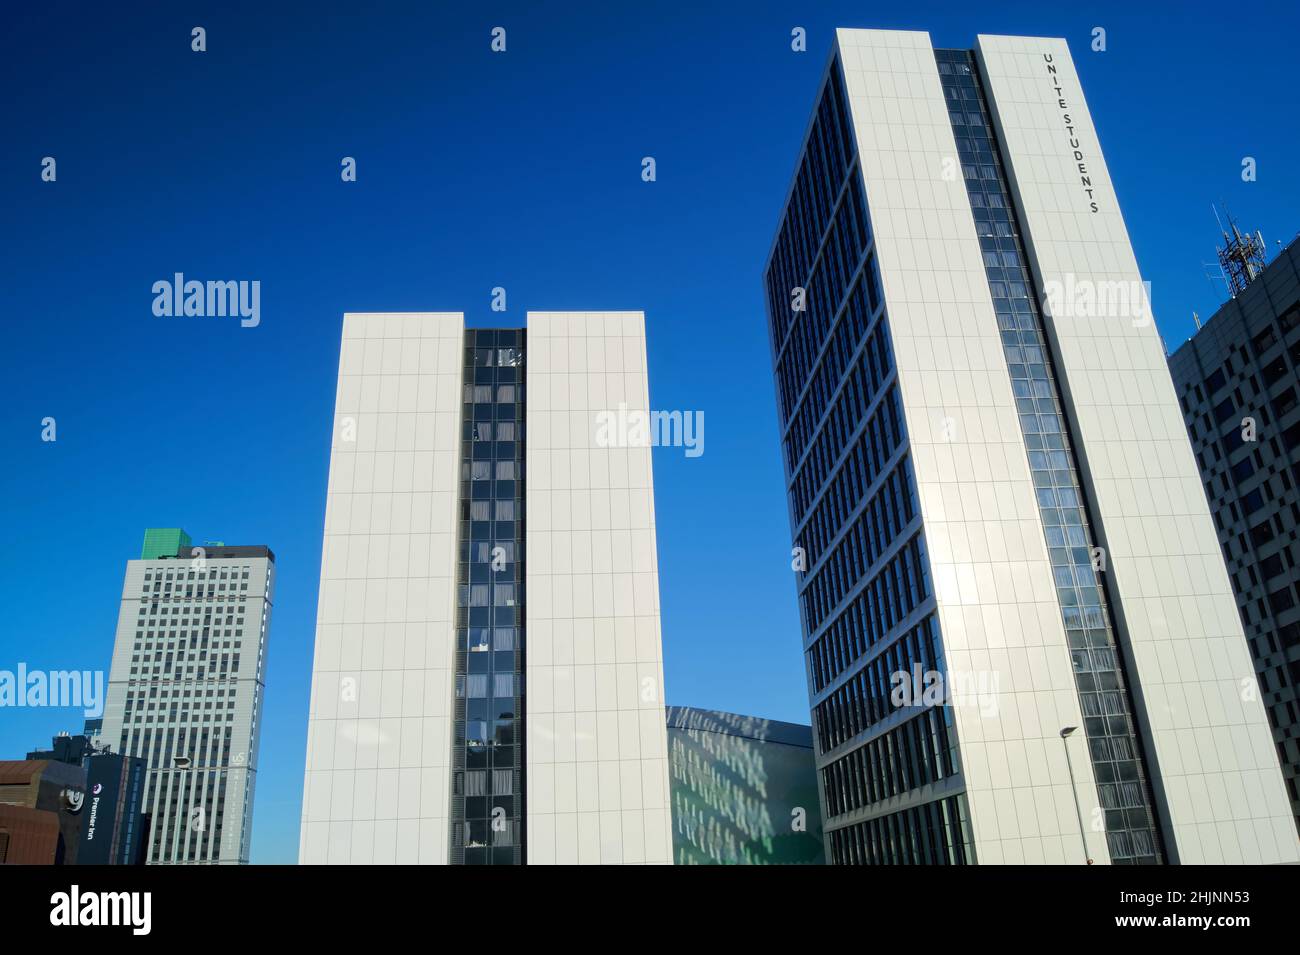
(743, 790)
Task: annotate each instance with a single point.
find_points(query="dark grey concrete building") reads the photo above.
(1240, 392)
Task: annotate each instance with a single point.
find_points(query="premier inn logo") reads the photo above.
(1085, 178)
(94, 813)
(75, 907)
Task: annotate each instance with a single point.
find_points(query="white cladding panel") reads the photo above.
(379, 728)
(1213, 751)
(998, 611)
(597, 748)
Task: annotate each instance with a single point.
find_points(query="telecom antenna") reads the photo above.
(1241, 257)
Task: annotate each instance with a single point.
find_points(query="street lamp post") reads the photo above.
(1066, 732)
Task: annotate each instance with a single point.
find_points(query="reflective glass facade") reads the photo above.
(487, 812)
(1113, 742)
(865, 595)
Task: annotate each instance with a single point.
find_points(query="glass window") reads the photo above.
(503, 782)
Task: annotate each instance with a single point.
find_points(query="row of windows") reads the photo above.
(824, 292)
(488, 394)
(896, 590)
(199, 745)
(1218, 379)
(882, 434)
(492, 431)
(1240, 505)
(498, 510)
(1132, 847)
(934, 833)
(227, 664)
(191, 624)
(486, 833)
(917, 753)
(874, 692)
(213, 592)
(152, 709)
(851, 634)
(179, 603)
(137, 694)
(870, 369)
(1234, 436)
(490, 470)
(198, 636)
(1288, 320)
(188, 712)
(860, 310)
(886, 515)
(215, 574)
(185, 718)
(477, 595)
(494, 357)
(217, 663)
(822, 168)
(209, 612)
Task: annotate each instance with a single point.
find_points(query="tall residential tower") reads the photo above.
(1020, 638)
(186, 690)
(488, 680)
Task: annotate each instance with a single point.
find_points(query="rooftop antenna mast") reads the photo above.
(1241, 257)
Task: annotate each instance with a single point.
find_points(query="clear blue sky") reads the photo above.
(478, 170)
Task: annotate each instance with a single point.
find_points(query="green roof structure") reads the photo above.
(163, 542)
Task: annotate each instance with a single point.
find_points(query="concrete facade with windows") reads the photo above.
(482, 694)
(186, 691)
(992, 485)
(1238, 380)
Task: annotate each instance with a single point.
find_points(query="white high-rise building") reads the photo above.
(488, 678)
(993, 489)
(186, 691)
